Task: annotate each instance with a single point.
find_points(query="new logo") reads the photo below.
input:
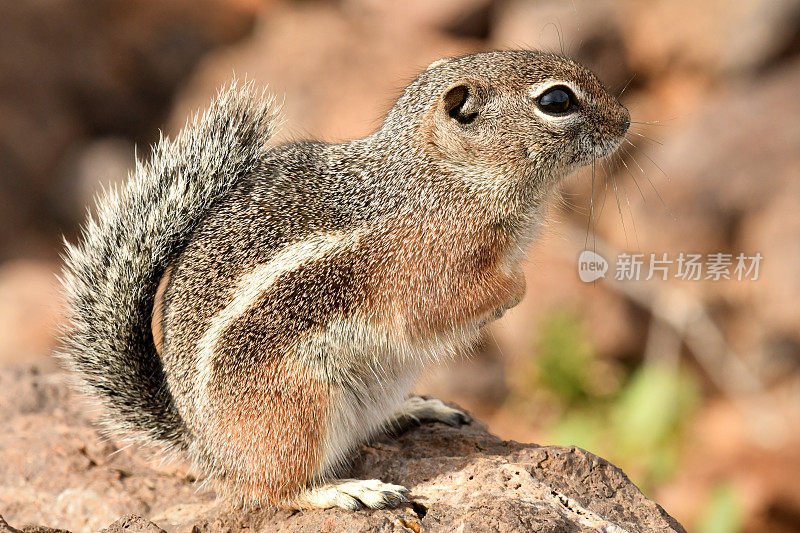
(591, 266)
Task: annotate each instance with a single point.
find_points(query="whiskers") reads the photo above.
(621, 163)
(615, 166)
(590, 221)
(626, 86)
(643, 136)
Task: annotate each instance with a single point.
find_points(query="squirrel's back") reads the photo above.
(111, 274)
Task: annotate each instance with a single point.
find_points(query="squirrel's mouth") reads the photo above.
(610, 136)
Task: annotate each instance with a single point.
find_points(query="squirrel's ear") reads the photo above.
(462, 102)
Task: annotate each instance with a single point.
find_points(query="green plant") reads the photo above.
(723, 512)
(564, 359)
(648, 416)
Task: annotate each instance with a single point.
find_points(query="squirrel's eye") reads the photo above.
(557, 100)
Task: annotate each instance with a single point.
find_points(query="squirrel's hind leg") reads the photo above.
(417, 410)
(373, 493)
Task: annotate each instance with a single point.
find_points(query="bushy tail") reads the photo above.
(111, 275)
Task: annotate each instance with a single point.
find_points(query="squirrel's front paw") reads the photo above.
(355, 494)
(418, 410)
(498, 313)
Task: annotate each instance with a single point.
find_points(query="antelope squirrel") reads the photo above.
(266, 310)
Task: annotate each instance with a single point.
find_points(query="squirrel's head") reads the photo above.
(504, 115)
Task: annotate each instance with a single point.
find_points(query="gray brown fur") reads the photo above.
(311, 283)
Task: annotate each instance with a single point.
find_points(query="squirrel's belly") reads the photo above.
(358, 412)
(373, 369)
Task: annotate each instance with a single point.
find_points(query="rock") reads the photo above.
(133, 524)
(5, 528)
(56, 469)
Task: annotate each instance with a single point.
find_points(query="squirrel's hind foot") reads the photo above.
(354, 494)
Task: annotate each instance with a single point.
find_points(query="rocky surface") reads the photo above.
(56, 470)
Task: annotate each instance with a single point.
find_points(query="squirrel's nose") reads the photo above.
(624, 120)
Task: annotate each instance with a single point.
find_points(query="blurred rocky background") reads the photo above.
(692, 387)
